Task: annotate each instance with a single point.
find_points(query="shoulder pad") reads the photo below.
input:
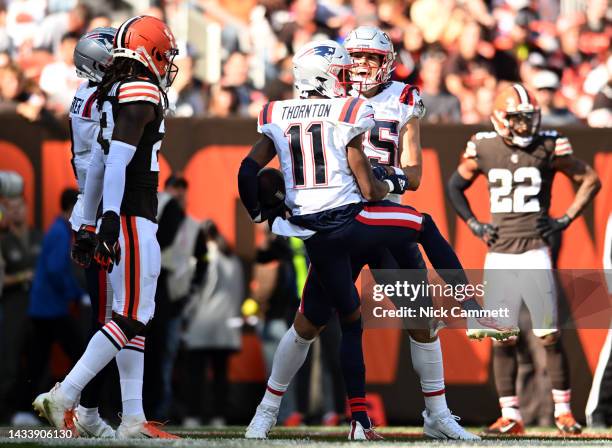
(265, 115)
(132, 91)
(349, 112)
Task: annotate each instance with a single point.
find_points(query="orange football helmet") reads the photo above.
(516, 115)
(149, 41)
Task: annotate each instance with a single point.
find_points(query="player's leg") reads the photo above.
(540, 295)
(88, 421)
(501, 292)
(315, 310)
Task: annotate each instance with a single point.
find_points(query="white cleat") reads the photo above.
(358, 432)
(58, 411)
(97, 429)
(261, 424)
(142, 430)
(444, 426)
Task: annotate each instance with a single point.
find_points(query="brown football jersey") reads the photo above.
(520, 181)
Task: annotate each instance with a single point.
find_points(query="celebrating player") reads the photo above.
(394, 141)
(520, 162)
(124, 172)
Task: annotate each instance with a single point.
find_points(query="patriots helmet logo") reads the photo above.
(324, 50)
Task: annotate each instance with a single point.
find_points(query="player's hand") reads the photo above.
(398, 183)
(84, 245)
(548, 226)
(269, 214)
(380, 172)
(108, 251)
(485, 231)
(504, 332)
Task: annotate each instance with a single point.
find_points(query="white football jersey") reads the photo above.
(84, 121)
(310, 136)
(393, 106)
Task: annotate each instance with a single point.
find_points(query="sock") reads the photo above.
(102, 348)
(562, 401)
(87, 415)
(427, 363)
(505, 369)
(510, 407)
(557, 366)
(130, 362)
(288, 358)
(353, 370)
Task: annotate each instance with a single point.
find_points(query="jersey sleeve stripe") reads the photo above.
(355, 109)
(138, 85)
(139, 92)
(269, 112)
(135, 98)
(89, 104)
(347, 110)
(263, 115)
(344, 109)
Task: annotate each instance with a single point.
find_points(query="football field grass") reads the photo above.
(312, 436)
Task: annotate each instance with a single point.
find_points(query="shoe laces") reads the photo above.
(260, 423)
(452, 423)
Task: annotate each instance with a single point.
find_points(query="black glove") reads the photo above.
(379, 172)
(108, 251)
(398, 183)
(84, 245)
(269, 214)
(485, 231)
(548, 226)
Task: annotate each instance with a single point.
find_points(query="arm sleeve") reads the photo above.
(119, 156)
(247, 185)
(93, 186)
(456, 193)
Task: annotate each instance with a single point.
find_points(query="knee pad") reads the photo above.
(130, 327)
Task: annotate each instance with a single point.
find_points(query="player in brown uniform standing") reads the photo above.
(520, 162)
(123, 174)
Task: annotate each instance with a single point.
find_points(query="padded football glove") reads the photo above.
(379, 172)
(397, 183)
(548, 226)
(108, 251)
(485, 231)
(84, 245)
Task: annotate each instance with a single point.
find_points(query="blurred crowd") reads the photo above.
(236, 54)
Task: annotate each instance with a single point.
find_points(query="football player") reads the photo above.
(124, 172)
(318, 140)
(519, 162)
(394, 141)
(92, 56)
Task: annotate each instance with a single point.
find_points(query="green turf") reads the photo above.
(315, 436)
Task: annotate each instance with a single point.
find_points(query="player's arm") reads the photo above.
(461, 180)
(587, 180)
(129, 126)
(411, 155)
(262, 152)
(371, 188)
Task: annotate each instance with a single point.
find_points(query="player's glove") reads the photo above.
(398, 183)
(548, 226)
(379, 172)
(485, 231)
(84, 245)
(269, 214)
(108, 251)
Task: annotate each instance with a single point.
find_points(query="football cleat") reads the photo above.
(505, 426)
(261, 424)
(479, 334)
(56, 409)
(444, 425)
(566, 423)
(358, 432)
(97, 429)
(142, 430)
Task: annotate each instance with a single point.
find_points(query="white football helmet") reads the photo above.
(370, 39)
(322, 67)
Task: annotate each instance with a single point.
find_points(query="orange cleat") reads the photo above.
(566, 423)
(505, 427)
